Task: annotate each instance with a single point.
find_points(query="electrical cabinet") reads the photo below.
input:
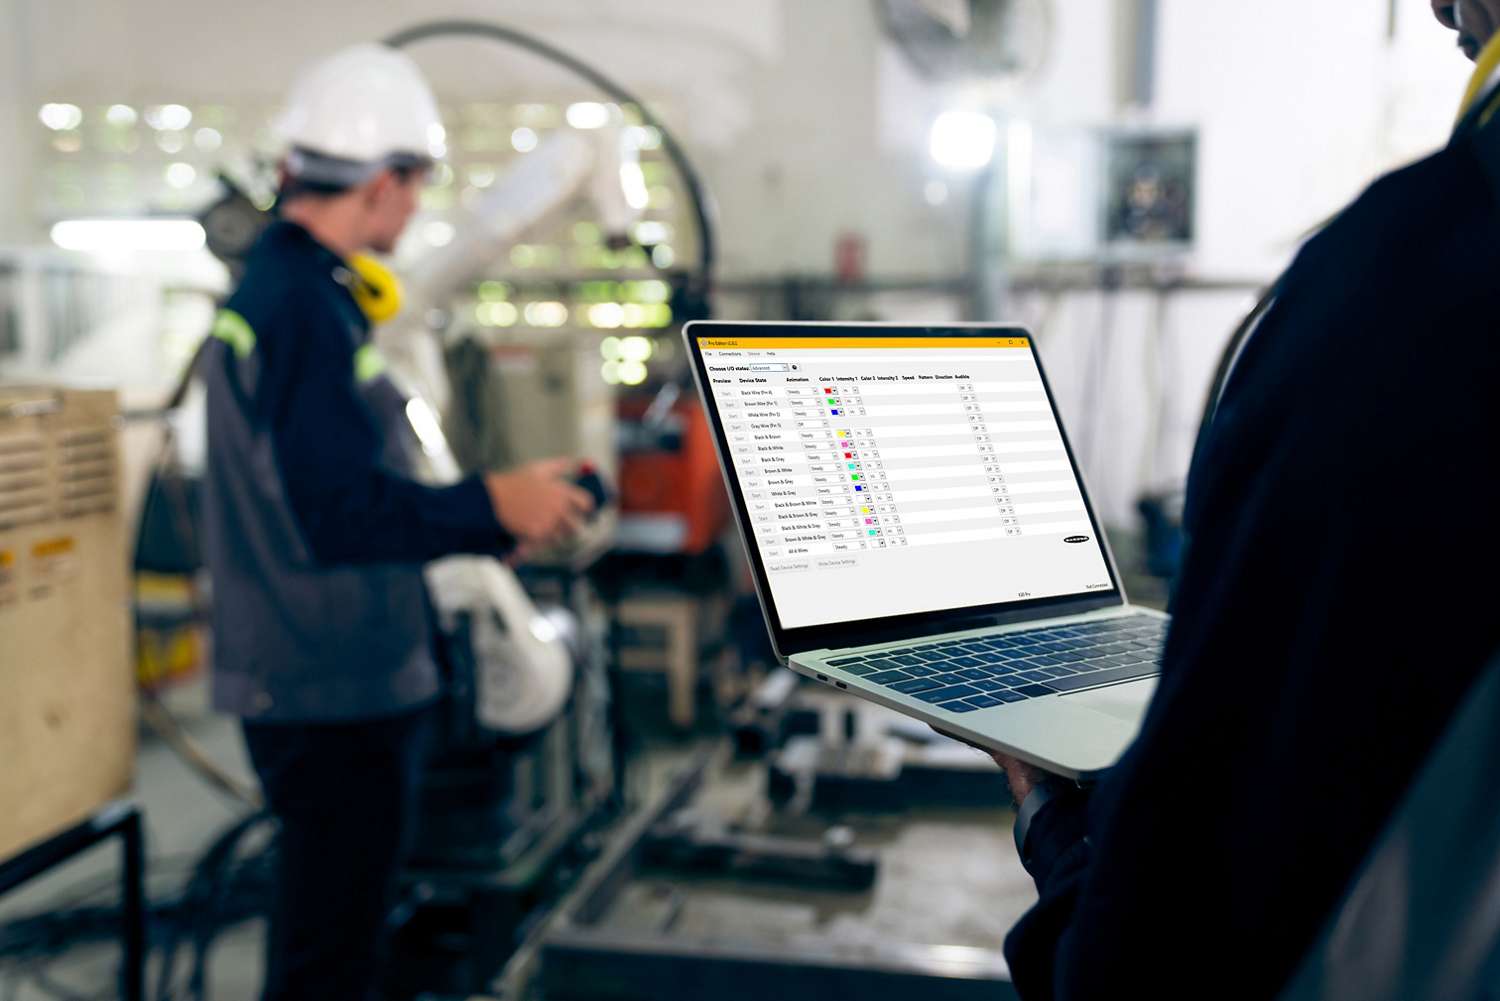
(67, 721)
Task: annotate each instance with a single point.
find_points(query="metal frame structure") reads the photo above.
(610, 966)
(120, 819)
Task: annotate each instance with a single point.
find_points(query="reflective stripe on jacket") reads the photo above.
(315, 533)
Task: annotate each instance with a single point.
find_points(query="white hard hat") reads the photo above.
(360, 109)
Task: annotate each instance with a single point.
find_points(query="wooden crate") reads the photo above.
(67, 720)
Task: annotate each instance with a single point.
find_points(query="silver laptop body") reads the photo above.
(920, 533)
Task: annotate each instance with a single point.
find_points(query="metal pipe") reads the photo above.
(133, 914)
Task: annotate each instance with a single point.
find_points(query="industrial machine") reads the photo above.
(997, 42)
(521, 673)
(508, 398)
(526, 758)
(672, 497)
(67, 715)
(810, 865)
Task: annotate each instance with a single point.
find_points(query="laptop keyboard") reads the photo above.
(965, 675)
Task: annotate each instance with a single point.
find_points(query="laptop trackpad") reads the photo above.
(1125, 702)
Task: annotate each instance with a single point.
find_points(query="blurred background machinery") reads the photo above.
(679, 805)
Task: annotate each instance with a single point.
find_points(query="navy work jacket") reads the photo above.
(1334, 607)
(315, 534)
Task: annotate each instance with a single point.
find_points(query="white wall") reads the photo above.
(811, 166)
(807, 122)
(13, 111)
(808, 125)
(695, 57)
(1300, 105)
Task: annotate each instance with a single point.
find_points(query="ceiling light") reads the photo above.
(128, 234)
(963, 140)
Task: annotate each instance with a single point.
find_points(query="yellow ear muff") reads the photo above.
(377, 290)
(1484, 74)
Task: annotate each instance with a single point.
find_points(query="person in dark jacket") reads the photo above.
(316, 533)
(1333, 608)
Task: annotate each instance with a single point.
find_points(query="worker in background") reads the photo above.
(322, 630)
(1333, 608)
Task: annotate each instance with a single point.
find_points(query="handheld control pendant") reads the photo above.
(591, 482)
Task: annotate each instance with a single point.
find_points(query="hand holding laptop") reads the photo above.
(1021, 776)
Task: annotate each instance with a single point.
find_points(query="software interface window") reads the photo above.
(891, 475)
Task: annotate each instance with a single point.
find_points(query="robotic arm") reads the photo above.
(598, 165)
(523, 671)
(529, 195)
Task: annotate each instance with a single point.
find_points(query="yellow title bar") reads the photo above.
(846, 343)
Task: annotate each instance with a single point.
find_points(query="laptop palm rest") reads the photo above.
(1126, 702)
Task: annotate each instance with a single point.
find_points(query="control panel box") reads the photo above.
(67, 721)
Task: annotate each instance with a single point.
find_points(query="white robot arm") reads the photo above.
(524, 673)
(597, 164)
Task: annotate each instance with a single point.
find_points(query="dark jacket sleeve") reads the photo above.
(328, 447)
(1056, 854)
(1320, 639)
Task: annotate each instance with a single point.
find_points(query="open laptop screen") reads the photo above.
(889, 473)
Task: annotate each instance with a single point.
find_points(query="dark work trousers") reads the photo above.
(346, 798)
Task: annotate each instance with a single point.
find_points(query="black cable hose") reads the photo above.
(221, 891)
(1225, 368)
(703, 210)
(201, 900)
(42, 979)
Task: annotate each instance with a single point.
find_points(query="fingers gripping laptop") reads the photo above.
(921, 536)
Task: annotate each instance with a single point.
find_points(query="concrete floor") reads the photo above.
(948, 877)
(183, 815)
(922, 897)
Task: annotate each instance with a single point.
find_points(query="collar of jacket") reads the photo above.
(284, 238)
(1480, 133)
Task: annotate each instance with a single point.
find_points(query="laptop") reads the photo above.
(921, 536)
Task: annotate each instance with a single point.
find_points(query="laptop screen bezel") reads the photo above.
(863, 632)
